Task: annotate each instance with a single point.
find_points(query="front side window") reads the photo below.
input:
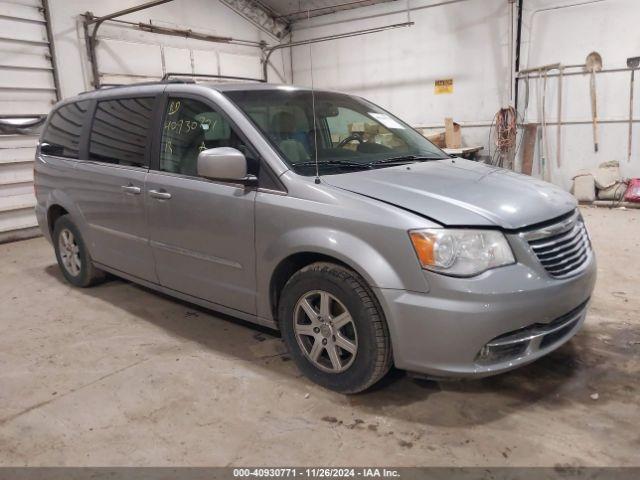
(120, 130)
(62, 135)
(191, 126)
(340, 131)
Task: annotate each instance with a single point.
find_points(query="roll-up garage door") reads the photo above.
(28, 89)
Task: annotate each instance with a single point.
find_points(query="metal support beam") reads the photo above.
(247, 8)
(91, 38)
(52, 49)
(259, 16)
(523, 76)
(176, 32)
(315, 12)
(517, 59)
(126, 11)
(269, 50)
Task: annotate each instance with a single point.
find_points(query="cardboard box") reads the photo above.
(389, 140)
(363, 127)
(437, 138)
(452, 133)
(584, 188)
(356, 127)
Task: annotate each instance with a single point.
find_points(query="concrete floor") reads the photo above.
(119, 375)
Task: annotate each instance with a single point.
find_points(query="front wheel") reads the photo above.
(334, 328)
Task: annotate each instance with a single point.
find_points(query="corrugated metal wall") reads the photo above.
(27, 87)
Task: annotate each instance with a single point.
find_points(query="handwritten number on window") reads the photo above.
(174, 106)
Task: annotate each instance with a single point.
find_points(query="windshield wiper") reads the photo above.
(333, 163)
(367, 165)
(404, 159)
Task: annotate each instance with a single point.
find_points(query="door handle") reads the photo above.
(160, 195)
(131, 189)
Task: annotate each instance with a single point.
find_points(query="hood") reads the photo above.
(460, 192)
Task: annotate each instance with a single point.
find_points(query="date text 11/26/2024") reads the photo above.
(316, 472)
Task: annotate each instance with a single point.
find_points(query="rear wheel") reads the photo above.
(72, 254)
(334, 328)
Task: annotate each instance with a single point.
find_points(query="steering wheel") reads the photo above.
(351, 138)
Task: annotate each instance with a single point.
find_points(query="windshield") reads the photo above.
(350, 133)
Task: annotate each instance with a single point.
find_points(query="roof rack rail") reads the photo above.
(170, 78)
(104, 86)
(167, 77)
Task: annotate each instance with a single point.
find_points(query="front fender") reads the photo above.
(368, 236)
(345, 247)
(376, 268)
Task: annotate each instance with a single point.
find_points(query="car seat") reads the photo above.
(293, 143)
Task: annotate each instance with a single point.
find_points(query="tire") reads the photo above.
(351, 317)
(78, 271)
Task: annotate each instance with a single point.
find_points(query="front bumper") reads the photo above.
(474, 327)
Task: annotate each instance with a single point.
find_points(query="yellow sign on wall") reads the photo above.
(443, 86)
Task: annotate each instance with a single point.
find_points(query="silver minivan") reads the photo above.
(319, 214)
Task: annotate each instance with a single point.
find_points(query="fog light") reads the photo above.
(501, 353)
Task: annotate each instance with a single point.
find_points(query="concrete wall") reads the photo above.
(126, 50)
(469, 41)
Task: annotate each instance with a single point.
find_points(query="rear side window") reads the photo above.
(62, 135)
(119, 132)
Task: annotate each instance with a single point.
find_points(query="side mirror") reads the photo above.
(224, 163)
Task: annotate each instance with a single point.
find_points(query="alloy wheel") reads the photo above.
(325, 331)
(69, 252)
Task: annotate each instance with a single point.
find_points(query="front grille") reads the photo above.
(563, 247)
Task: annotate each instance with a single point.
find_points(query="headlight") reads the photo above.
(461, 252)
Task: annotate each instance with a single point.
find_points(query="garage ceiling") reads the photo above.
(292, 10)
